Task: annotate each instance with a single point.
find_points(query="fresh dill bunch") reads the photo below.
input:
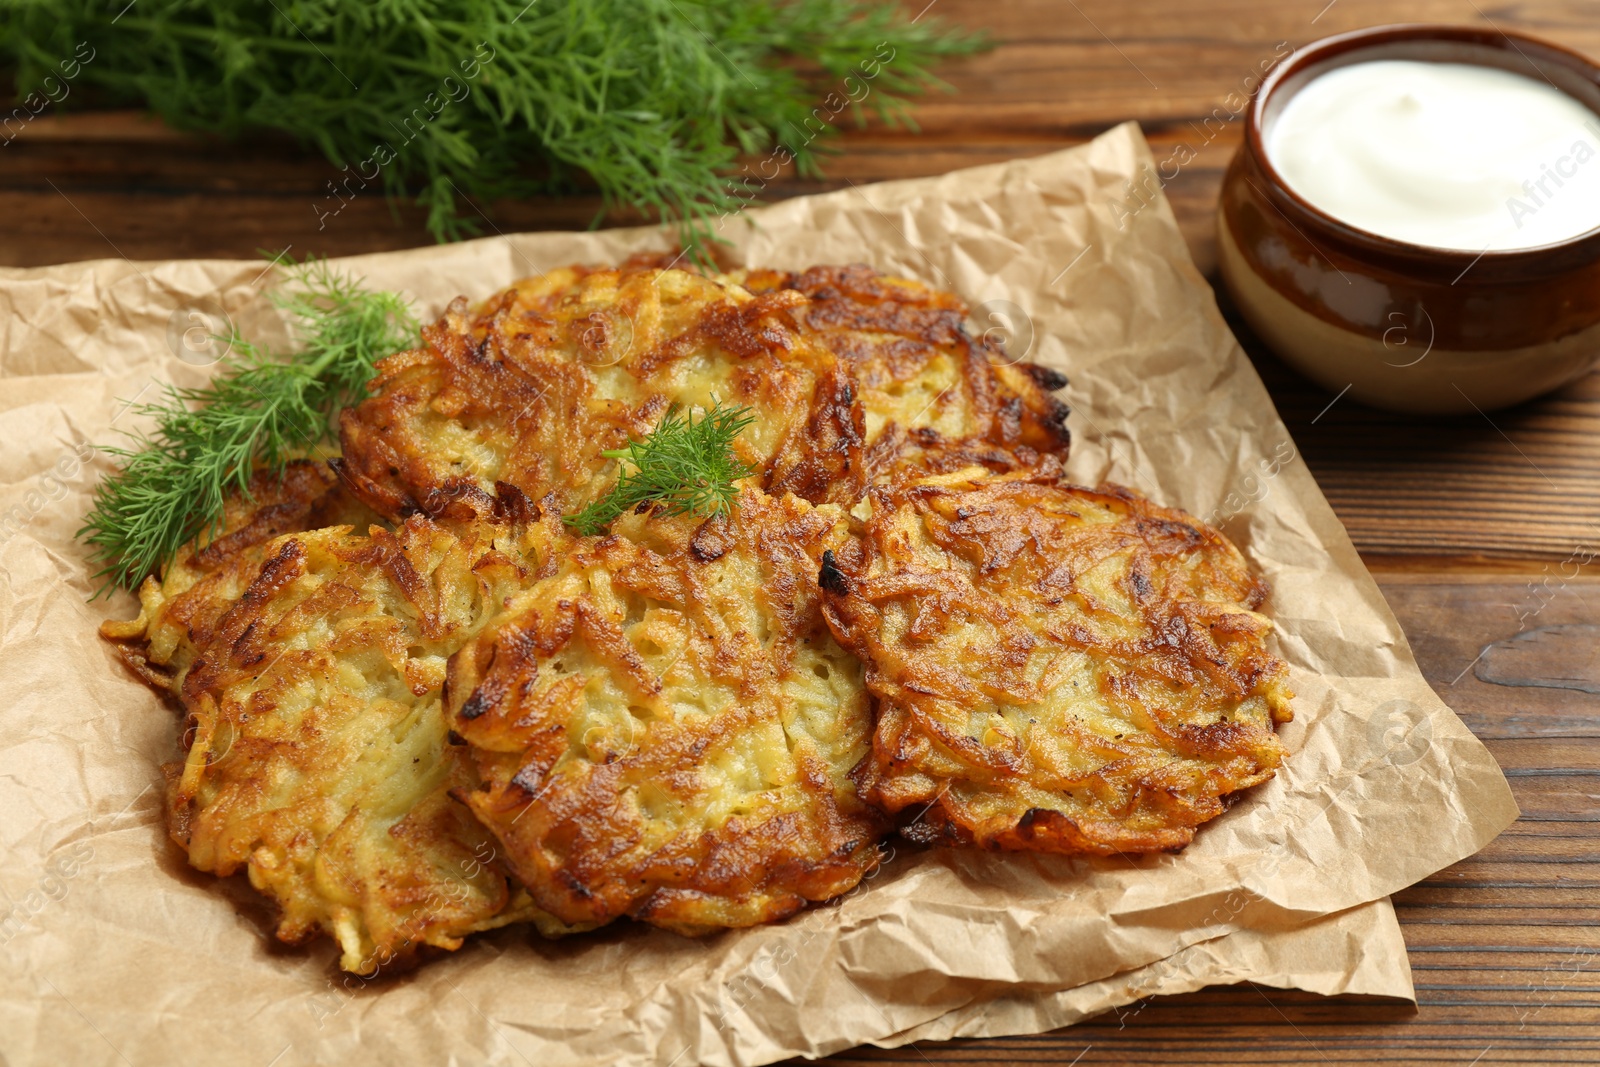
(654, 102)
(684, 466)
(260, 412)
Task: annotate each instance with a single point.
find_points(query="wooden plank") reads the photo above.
(1508, 483)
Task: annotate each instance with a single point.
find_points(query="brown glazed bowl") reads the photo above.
(1408, 327)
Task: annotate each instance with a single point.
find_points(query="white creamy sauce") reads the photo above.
(1451, 155)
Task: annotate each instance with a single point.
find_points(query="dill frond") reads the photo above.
(261, 411)
(653, 101)
(683, 467)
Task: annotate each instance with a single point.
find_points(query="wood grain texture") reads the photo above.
(1484, 531)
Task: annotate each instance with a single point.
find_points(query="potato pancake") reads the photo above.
(665, 728)
(310, 664)
(1055, 668)
(214, 569)
(508, 408)
(933, 395)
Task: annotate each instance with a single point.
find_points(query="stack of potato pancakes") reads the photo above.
(418, 704)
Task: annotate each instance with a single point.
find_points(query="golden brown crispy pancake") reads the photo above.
(509, 406)
(665, 728)
(310, 664)
(933, 395)
(1055, 668)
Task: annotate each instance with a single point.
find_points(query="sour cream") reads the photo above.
(1451, 155)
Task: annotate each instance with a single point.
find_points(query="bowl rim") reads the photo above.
(1586, 244)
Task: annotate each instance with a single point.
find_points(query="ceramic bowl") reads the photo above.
(1403, 326)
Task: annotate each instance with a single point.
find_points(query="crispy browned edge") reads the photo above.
(1199, 625)
(568, 827)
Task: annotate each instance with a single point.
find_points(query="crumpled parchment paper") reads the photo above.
(115, 952)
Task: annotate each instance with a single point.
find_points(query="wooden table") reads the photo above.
(1475, 527)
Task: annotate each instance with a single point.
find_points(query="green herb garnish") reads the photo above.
(656, 101)
(687, 467)
(261, 412)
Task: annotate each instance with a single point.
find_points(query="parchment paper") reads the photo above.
(1356, 951)
(115, 952)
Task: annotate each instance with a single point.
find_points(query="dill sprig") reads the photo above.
(684, 466)
(655, 101)
(260, 412)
